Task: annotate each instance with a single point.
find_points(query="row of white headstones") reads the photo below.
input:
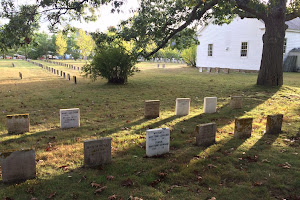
(20, 165)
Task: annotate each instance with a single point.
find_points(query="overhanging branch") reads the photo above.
(292, 15)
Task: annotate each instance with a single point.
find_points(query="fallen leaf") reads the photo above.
(257, 183)
(100, 190)
(134, 198)
(110, 178)
(51, 195)
(210, 166)
(162, 174)
(127, 183)
(155, 182)
(286, 165)
(112, 197)
(172, 187)
(96, 185)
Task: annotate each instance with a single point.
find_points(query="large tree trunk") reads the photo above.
(272, 58)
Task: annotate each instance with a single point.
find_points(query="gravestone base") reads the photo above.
(274, 124)
(182, 106)
(17, 124)
(157, 141)
(236, 102)
(152, 109)
(210, 105)
(97, 152)
(69, 118)
(18, 166)
(243, 127)
(206, 134)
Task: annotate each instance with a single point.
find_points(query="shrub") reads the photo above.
(189, 55)
(113, 63)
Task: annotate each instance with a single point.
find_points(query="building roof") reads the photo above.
(295, 50)
(294, 24)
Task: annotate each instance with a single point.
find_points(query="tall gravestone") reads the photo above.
(206, 134)
(152, 109)
(243, 127)
(274, 124)
(69, 118)
(17, 124)
(210, 105)
(157, 141)
(18, 166)
(182, 106)
(97, 152)
(236, 102)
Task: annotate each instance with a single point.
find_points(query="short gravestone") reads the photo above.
(69, 78)
(217, 70)
(157, 65)
(157, 141)
(13, 65)
(64, 74)
(164, 65)
(208, 70)
(17, 124)
(74, 79)
(61, 73)
(97, 152)
(274, 124)
(210, 105)
(20, 75)
(57, 72)
(206, 134)
(236, 102)
(152, 108)
(200, 69)
(69, 118)
(243, 127)
(18, 166)
(182, 106)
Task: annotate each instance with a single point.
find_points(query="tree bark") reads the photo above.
(271, 73)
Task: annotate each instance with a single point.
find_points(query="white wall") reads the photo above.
(293, 41)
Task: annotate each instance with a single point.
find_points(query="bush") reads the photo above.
(113, 63)
(189, 55)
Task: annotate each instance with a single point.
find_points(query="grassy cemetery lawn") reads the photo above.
(260, 167)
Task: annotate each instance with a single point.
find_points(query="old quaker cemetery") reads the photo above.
(182, 129)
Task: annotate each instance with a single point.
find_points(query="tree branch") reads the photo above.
(292, 15)
(193, 16)
(244, 5)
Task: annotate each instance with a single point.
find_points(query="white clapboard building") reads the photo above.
(239, 45)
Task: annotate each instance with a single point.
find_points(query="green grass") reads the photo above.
(230, 169)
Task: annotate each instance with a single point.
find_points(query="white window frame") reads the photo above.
(210, 50)
(244, 50)
(284, 45)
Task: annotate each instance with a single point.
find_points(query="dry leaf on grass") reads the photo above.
(127, 183)
(112, 197)
(51, 195)
(96, 185)
(100, 190)
(110, 178)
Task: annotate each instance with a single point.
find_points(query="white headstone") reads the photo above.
(157, 141)
(210, 105)
(182, 106)
(200, 69)
(69, 118)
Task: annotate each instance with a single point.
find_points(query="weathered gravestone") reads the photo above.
(13, 65)
(157, 65)
(69, 78)
(97, 152)
(57, 72)
(208, 69)
(200, 69)
(236, 102)
(164, 65)
(18, 166)
(61, 73)
(217, 70)
(274, 124)
(64, 74)
(243, 127)
(157, 141)
(20, 75)
(152, 108)
(206, 134)
(69, 118)
(210, 105)
(74, 79)
(182, 106)
(17, 124)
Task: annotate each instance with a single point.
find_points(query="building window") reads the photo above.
(210, 49)
(284, 45)
(244, 49)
